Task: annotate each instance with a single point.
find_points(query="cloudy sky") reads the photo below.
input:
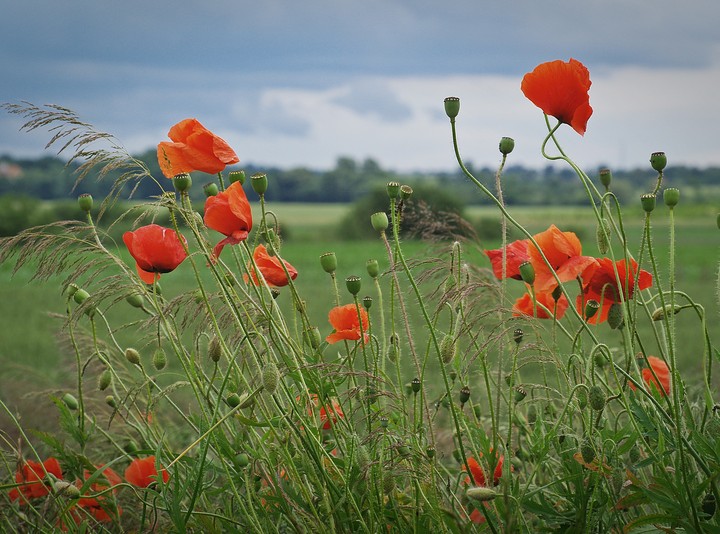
(290, 82)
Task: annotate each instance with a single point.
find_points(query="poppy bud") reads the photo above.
(270, 377)
(353, 284)
(464, 394)
(477, 410)
(135, 300)
(131, 447)
(132, 355)
(392, 353)
(606, 178)
(210, 189)
(597, 399)
(242, 460)
(312, 337)
(452, 106)
(648, 202)
(591, 308)
(110, 401)
(367, 302)
(587, 451)
(448, 348)
(233, 400)
(603, 235)
(70, 401)
(527, 272)
(658, 161)
(518, 335)
(104, 380)
(259, 183)
(671, 196)
(581, 395)
(159, 359)
(393, 190)
(599, 359)
(615, 316)
(80, 295)
(66, 489)
(328, 261)
(480, 493)
(85, 201)
(507, 144)
(379, 221)
(236, 176)
(405, 192)
(182, 182)
(415, 385)
(661, 313)
(388, 484)
(634, 455)
(214, 349)
(520, 393)
(373, 268)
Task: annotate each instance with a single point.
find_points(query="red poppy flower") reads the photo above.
(564, 252)
(270, 268)
(31, 476)
(346, 322)
(602, 286)
(516, 253)
(661, 371)
(142, 472)
(194, 148)
(156, 250)
(329, 413)
(98, 507)
(525, 306)
(229, 213)
(560, 89)
(478, 474)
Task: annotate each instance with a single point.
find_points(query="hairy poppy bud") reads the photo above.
(671, 196)
(373, 268)
(312, 337)
(587, 451)
(110, 401)
(591, 308)
(606, 178)
(452, 106)
(603, 235)
(70, 401)
(236, 176)
(210, 189)
(159, 359)
(661, 313)
(135, 300)
(182, 182)
(85, 201)
(242, 459)
(658, 161)
(464, 394)
(615, 316)
(66, 489)
(132, 355)
(581, 395)
(259, 182)
(480, 493)
(80, 295)
(405, 192)
(416, 385)
(233, 400)
(104, 380)
(518, 335)
(353, 284)
(393, 190)
(379, 221)
(448, 348)
(597, 398)
(507, 144)
(648, 202)
(527, 272)
(328, 261)
(270, 377)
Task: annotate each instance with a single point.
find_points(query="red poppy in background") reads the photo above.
(98, 506)
(193, 148)
(156, 250)
(602, 286)
(525, 306)
(661, 371)
(516, 253)
(270, 268)
(564, 252)
(478, 474)
(142, 472)
(560, 89)
(31, 476)
(346, 322)
(229, 213)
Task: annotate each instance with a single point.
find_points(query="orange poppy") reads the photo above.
(525, 306)
(560, 89)
(31, 476)
(98, 507)
(329, 413)
(229, 213)
(142, 472)
(563, 251)
(270, 268)
(156, 250)
(661, 371)
(602, 286)
(478, 474)
(516, 253)
(193, 148)
(346, 322)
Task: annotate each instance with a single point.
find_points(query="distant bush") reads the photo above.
(17, 212)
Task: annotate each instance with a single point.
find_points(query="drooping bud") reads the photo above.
(615, 316)
(587, 451)
(159, 359)
(379, 221)
(507, 144)
(597, 398)
(259, 182)
(66, 489)
(464, 394)
(518, 335)
(312, 337)
(214, 349)
(85, 201)
(104, 380)
(373, 268)
(80, 295)
(353, 284)
(527, 272)
(591, 308)
(328, 261)
(648, 202)
(658, 161)
(135, 300)
(210, 189)
(448, 348)
(393, 190)
(182, 182)
(132, 355)
(110, 401)
(236, 176)
(661, 313)
(606, 178)
(603, 235)
(481, 493)
(671, 196)
(233, 400)
(270, 377)
(70, 401)
(452, 106)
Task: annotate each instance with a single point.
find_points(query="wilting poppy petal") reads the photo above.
(194, 148)
(563, 251)
(516, 253)
(156, 250)
(661, 371)
(229, 213)
(142, 472)
(525, 306)
(270, 268)
(346, 323)
(560, 89)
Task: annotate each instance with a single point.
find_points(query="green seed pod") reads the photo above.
(159, 359)
(104, 380)
(353, 284)
(270, 377)
(379, 221)
(597, 398)
(507, 145)
(393, 189)
(70, 401)
(405, 192)
(448, 348)
(328, 261)
(527, 272)
(452, 106)
(85, 201)
(671, 196)
(587, 451)
(477, 410)
(603, 236)
(233, 400)
(384, 422)
(182, 182)
(606, 178)
(658, 161)
(591, 308)
(648, 202)
(416, 385)
(520, 393)
(482, 494)
(236, 176)
(367, 302)
(661, 313)
(518, 335)
(214, 349)
(464, 394)
(430, 452)
(599, 359)
(80, 296)
(242, 460)
(132, 355)
(259, 182)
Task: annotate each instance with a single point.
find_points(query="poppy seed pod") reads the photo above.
(507, 144)
(671, 196)
(464, 394)
(605, 178)
(430, 452)
(520, 393)
(527, 272)
(110, 401)
(518, 335)
(236, 176)
(415, 385)
(353, 284)
(85, 201)
(210, 189)
(259, 183)
(367, 302)
(328, 261)
(80, 295)
(452, 106)
(658, 161)
(242, 459)
(405, 192)
(648, 202)
(393, 189)
(379, 221)
(182, 182)
(591, 308)
(233, 400)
